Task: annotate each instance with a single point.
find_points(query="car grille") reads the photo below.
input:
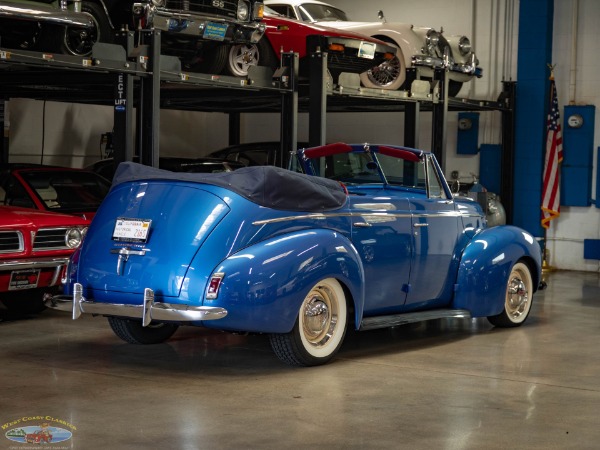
(50, 239)
(11, 241)
(208, 7)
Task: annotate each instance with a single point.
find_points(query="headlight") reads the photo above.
(73, 237)
(432, 40)
(464, 45)
(243, 11)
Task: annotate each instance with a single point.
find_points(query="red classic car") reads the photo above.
(35, 247)
(39, 436)
(57, 189)
(347, 51)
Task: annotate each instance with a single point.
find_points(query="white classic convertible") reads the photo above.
(417, 46)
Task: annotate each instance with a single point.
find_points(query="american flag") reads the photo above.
(554, 155)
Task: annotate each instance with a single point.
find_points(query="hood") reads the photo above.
(324, 28)
(15, 217)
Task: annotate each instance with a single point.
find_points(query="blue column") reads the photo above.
(534, 55)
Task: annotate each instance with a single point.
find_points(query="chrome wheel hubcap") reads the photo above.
(517, 297)
(319, 317)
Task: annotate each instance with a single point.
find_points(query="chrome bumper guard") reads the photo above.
(147, 312)
(47, 14)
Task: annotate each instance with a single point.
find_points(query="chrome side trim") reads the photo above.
(366, 214)
(35, 264)
(148, 311)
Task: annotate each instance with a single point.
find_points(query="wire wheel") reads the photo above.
(387, 75)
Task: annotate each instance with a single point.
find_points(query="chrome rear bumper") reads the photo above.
(147, 312)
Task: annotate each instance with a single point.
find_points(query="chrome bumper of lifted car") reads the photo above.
(147, 312)
(42, 13)
(469, 68)
(194, 25)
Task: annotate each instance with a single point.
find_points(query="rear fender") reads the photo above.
(265, 284)
(486, 264)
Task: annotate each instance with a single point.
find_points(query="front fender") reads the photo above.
(485, 266)
(265, 284)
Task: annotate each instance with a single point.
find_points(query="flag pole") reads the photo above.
(546, 267)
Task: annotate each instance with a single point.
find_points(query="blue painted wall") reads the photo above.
(534, 55)
(578, 157)
(490, 162)
(467, 140)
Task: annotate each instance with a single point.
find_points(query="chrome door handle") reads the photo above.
(362, 224)
(419, 225)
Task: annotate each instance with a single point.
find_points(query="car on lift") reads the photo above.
(369, 236)
(422, 47)
(49, 188)
(106, 167)
(35, 247)
(31, 25)
(196, 32)
(347, 51)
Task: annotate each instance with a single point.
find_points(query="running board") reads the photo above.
(371, 323)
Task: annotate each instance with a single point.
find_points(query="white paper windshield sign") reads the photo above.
(131, 230)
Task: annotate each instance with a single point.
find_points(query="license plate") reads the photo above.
(366, 50)
(24, 279)
(131, 230)
(215, 31)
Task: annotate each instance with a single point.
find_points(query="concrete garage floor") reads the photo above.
(451, 384)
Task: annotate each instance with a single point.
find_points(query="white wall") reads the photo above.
(566, 234)
(492, 26)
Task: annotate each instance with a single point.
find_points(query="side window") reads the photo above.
(434, 185)
(304, 17)
(284, 10)
(16, 195)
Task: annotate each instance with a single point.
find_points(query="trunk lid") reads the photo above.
(145, 235)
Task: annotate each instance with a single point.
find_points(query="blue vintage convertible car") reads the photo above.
(369, 236)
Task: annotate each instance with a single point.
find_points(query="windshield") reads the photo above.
(313, 12)
(365, 164)
(67, 190)
(361, 168)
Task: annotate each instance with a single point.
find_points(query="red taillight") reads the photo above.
(214, 285)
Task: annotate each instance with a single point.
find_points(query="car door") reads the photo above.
(381, 232)
(435, 231)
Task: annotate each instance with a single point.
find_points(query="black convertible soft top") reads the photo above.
(268, 186)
